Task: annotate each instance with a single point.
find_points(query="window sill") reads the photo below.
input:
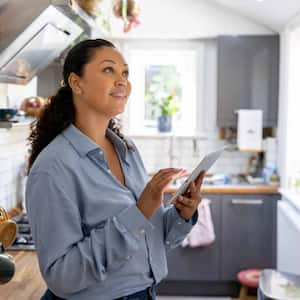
(162, 135)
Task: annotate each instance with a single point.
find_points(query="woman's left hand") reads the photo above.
(188, 203)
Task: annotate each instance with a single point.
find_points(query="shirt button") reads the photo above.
(179, 222)
(167, 242)
(142, 231)
(100, 152)
(128, 257)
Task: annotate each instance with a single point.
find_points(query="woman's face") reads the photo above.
(104, 86)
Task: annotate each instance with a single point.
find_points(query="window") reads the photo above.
(155, 74)
(161, 82)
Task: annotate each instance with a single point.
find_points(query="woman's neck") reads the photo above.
(94, 128)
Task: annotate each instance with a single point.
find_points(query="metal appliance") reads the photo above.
(34, 33)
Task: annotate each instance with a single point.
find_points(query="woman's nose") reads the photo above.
(121, 82)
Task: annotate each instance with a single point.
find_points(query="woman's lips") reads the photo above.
(119, 95)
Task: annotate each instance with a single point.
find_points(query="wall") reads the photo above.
(186, 153)
(187, 19)
(13, 147)
(12, 157)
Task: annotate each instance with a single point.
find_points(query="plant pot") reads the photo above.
(164, 123)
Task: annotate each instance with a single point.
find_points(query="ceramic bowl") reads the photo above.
(7, 113)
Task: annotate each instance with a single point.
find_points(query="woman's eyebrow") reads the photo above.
(111, 61)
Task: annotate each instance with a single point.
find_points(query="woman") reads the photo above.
(101, 231)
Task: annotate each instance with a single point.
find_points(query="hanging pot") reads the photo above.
(89, 6)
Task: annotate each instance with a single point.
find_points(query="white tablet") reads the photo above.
(204, 165)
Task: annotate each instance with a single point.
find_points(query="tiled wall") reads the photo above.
(187, 152)
(12, 158)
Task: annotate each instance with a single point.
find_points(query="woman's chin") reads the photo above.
(117, 112)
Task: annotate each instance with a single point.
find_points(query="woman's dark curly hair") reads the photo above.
(59, 112)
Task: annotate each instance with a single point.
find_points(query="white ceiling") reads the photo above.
(271, 13)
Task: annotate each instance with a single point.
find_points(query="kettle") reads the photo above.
(7, 266)
(8, 229)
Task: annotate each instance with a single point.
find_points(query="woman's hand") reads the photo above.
(152, 196)
(188, 203)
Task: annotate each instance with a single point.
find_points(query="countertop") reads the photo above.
(235, 189)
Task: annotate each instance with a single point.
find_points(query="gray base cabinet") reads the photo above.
(245, 227)
(200, 263)
(248, 233)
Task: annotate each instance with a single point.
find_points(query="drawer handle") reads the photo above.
(247, 201)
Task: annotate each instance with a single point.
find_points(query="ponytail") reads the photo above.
(56, 116)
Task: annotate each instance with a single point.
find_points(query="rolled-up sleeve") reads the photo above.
(70, 260)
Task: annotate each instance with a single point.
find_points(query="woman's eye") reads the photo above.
(126, 74)
(108, 70)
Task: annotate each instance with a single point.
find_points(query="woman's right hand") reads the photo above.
(152, 196)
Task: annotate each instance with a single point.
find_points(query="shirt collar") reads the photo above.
(83, 144)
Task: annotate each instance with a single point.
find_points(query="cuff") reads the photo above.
(193, 220)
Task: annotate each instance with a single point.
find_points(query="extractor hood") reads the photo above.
(34, 33)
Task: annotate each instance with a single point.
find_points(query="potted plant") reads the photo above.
(168, 107)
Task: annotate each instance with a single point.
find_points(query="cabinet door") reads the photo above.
(201, 263)
(248, 233)
(247, 77)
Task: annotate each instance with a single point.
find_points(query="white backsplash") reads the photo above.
(187, 152)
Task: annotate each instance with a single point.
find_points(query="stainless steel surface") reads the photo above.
(34, 33)
(279, 285)
(247, 201)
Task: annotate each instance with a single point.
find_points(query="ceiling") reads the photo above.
(271, 13)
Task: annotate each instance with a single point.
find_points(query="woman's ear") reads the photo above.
(74, 83)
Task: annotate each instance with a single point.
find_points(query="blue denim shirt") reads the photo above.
(91, 239)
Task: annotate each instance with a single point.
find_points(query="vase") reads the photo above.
(164, 123)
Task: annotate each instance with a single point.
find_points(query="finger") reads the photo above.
(164, 182)
(178, 205)
(194, 190)
(166, 170)
(187, 202)
(199, 179)
(167, 175)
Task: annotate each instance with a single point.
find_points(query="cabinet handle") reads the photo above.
(247, 201)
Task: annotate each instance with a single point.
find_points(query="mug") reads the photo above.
(8, 229)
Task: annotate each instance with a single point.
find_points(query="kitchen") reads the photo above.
(225, 57)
